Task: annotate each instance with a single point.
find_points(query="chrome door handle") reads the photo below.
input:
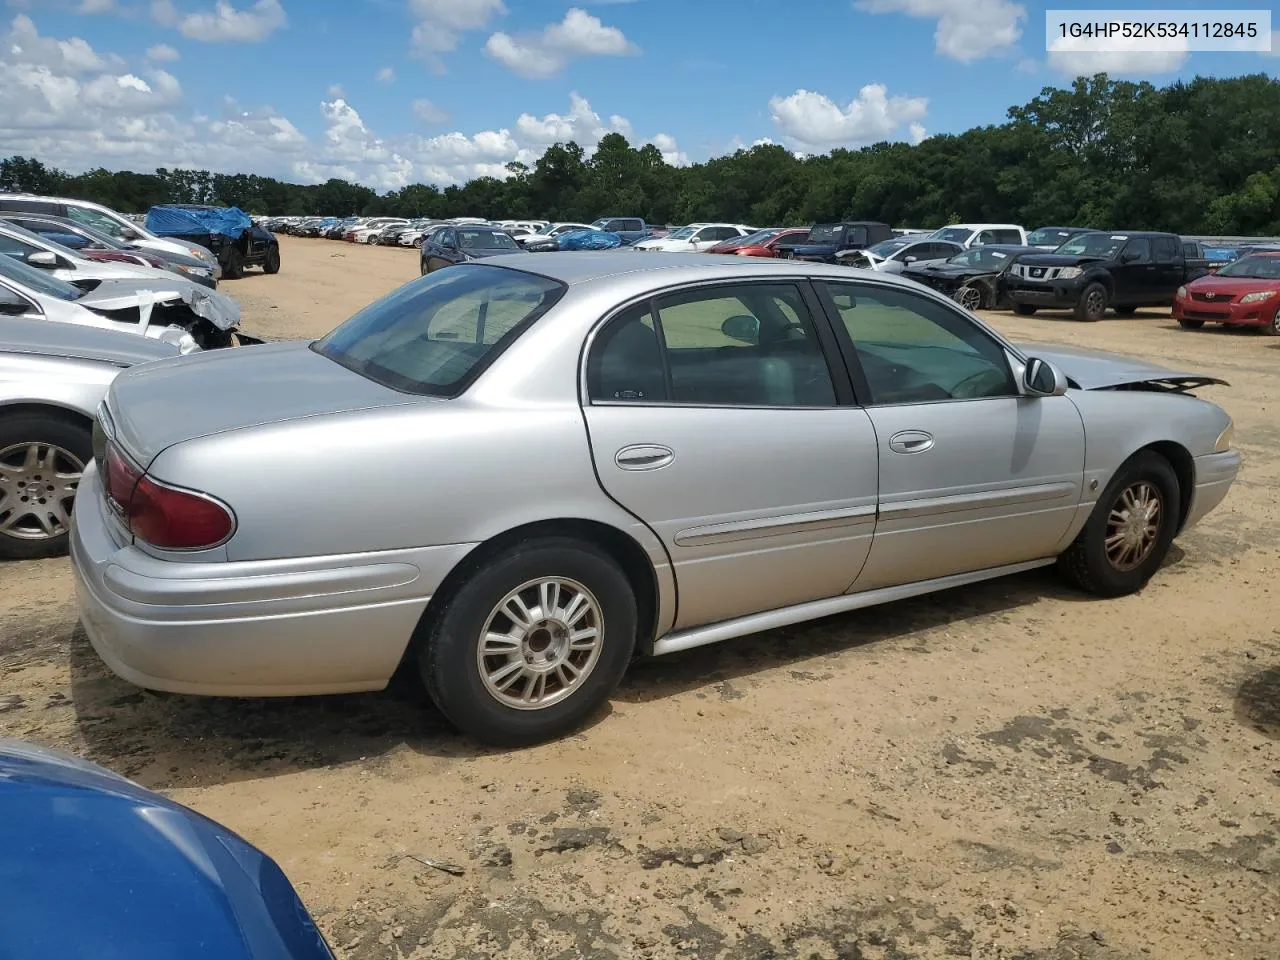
(910, 441)
(644, 456)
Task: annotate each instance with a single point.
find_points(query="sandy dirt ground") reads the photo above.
(1009, 770)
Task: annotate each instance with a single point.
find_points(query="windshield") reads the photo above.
(1259, 268)
(886, 248)
(954, 234)
(108, 224)
(40, 281)
(486, 240)
(1104, 245)
(684, 233)
(980, 257)
(434, 335)
(1048, 238)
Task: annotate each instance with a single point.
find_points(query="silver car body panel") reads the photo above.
(162, 287)
(67, 367)
(43, 308)
(759, 516)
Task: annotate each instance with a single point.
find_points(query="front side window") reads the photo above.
(434, 335)
(1138, 250)
(13, 247)
(1166, 249)
(741, 345)
(38, 280)
(1007, 236)
(915, 350)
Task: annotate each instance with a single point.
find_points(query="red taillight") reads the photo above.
(163, 516)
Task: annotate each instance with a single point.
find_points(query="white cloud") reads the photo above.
(814, 121)
(967, 30)
(96, 6)
(225, 23)
(916, 133)
(543, 54)
(1072, 60)
(428, 112)
(440, 24)
(77, 108)
(163, 53)
(387, 75)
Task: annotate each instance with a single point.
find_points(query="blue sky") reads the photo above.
(396, 91)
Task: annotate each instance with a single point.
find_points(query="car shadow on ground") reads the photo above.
(1257, 703)
(168, 740)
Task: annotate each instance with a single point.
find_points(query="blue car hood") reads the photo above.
(92, 865)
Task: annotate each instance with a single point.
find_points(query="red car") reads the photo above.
(758, 244)
(1244, 293)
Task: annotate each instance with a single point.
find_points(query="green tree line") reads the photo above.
(1193, 157)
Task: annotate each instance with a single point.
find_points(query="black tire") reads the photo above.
(41, 430)
(1125, 311)
(1092, 305)
(272, 263)
(448, 658)
(1272, 329)
(233, 265)
(1025, 309)
(1191, 324)
(1086, 563)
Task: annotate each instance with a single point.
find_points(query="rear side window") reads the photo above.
(1007, 236)
(435, 335)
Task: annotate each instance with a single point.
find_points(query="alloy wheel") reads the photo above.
(1133, 525)
(540, 643)
(38, 484)
(969, 297)
(1096, 303)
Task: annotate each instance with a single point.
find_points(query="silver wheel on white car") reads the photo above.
(541, 641)
(42, 457)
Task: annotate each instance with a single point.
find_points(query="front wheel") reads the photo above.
(1130, 530)
(531, 643)
(41, 459)
(969, 297)
(1092, 304)
(1272, 329)
(272, 263)
(233, 266)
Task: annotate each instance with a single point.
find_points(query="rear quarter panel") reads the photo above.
(74, 385)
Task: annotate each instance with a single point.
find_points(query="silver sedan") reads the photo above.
(519, 474)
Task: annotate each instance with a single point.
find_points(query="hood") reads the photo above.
(1055, 260)
(1232, 286)
(81, 343)
(153, 879)
(1095, 370)
(217, 308)
(946, 270)
(156, 406)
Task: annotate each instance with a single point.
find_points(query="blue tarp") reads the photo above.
(589, 240)
(231, 222)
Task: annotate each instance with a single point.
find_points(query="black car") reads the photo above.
(254, 247)
(825, 241)
(450, 245)
(975, 278)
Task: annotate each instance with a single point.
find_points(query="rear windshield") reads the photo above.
(433, 336)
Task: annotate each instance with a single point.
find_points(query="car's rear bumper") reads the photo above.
(1260, 314)
(250, 628)
(1214, 475)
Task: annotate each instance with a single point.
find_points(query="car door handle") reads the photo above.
(644, 456)
(910, 441)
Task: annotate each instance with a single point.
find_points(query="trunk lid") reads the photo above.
(160, 404)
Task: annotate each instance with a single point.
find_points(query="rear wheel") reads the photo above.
(41, 459)
(1024, 309)
(1191, 324)
(1129, 532)
(272, 263)
(531, 643)
(1092, 305)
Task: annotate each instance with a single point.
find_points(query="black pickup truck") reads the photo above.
(1121, 270)
(826, 240)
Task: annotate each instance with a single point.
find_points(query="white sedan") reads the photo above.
(696, 237)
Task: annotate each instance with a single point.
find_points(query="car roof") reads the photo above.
(980, 226)
(1137, 233)
(666, 269)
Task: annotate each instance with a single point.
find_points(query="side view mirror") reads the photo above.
(1129, 256)
(43, 258)
(909, 259)
(128, 233)
(1042, 379)
(742, 328)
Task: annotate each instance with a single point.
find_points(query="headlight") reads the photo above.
(193, 271)
(1223, 443)
(1259, 296)
(1181, 293)
(1069, 273)
(201, 253)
